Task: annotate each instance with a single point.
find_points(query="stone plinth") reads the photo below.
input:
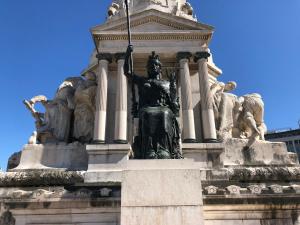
(53, 156)
(206, 155)
(257, 153)
(106, 162)
(161, 192)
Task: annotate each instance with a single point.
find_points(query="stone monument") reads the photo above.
(177, 148)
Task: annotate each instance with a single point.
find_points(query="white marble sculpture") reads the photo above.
(251, 122)
(84, 110)
(237, 117)
(113, 9)
(54, 125)
(226, 109)
(179, 8)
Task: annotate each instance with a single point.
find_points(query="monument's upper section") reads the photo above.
(176, 7)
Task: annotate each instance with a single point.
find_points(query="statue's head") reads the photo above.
(90, 76)
(154, 66)
(230, 86)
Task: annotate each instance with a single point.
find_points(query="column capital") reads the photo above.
(104, 56)
(201, 55)
(120, 56)
(184, 55)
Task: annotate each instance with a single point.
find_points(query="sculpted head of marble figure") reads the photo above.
(90, 76)
(230, 86)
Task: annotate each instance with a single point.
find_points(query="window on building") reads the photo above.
(290, 146)
(297, 146)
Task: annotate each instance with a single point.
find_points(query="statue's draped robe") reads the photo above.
(58, 114)
(158, 136)
(226, 113)
(84, 113)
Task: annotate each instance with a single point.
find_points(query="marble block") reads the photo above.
(256, 153)
(106, 162)
(161, 192)
(72, 157)
(207, 155)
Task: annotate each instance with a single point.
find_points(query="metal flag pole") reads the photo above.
(129, 34)
(134, 103)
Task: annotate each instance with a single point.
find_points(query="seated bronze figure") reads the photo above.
(158, 106)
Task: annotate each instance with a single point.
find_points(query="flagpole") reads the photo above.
(134, 103)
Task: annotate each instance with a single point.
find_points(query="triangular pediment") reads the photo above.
(152, 21)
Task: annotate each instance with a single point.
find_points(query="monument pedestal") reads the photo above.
(161, 192)
(106, 162)
(61, 156)
(207, 155)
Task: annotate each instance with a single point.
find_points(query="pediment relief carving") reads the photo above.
(156, 21)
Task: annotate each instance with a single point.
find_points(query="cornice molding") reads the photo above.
(153, 19)
(152, 36)
(152, 15)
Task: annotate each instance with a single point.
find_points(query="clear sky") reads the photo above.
(256, 43)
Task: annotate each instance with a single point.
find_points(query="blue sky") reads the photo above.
(256, 43)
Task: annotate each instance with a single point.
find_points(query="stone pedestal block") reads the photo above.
(53, 156)
(257, 153)
(206, 155)
(106, 162)
(161, 192)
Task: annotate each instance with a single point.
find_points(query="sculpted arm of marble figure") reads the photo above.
(39, 117)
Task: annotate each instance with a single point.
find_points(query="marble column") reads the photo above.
(101, 98)
(207, 113)
(120, 135)
(188, 134)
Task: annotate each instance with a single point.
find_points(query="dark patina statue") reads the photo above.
(158, 106)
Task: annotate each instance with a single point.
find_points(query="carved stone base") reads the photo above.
(206, 155)
(189, 141)
(257, 153)
(161, 192)
(53, 157)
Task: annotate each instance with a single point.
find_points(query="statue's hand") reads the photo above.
(129, 49)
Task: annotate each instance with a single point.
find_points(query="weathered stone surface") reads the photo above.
(53, 156)
(84, 109)
(256, 153)
(264, 173)
(7, 219)
(179, 8)
(207, 155)
(14, 160)
(40, 178)
(161, 193)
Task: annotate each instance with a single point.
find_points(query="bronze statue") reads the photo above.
(158, 135)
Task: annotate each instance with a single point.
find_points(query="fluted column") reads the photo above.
(101, 98)
(120, 135)
(208, 120)
(189, 135)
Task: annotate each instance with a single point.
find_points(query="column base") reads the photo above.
(189, 141)
(98, 142)
(120, 141)
(211, 140)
